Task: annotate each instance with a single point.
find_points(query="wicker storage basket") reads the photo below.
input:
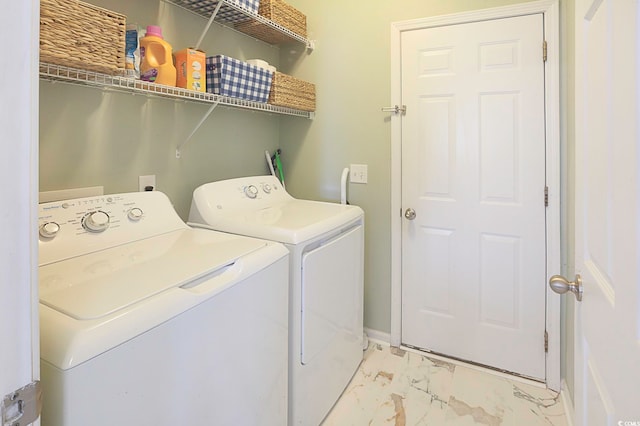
(281, 13)
(79, 35)
(290, 92)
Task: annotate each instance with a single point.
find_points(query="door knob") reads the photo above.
(410, 214)
(561, 285)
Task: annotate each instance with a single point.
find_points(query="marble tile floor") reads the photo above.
(402, 388)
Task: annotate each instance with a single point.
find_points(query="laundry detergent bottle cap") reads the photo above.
(154, 30)
(156, 59)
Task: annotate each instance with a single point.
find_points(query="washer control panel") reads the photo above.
(70, 228)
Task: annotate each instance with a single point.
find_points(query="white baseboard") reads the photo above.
(567, 403)
(378, 336)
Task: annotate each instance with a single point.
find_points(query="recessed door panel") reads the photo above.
(438, 158)
(499, 147)
(500, 280)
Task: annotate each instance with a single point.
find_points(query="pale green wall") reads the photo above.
(89, 137)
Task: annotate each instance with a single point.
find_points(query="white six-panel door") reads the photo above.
(473, 170)
(607, 339)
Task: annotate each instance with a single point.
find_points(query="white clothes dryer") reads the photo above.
(146, 321)
(326, 242)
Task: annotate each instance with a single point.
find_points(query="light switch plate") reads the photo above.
(358, 173)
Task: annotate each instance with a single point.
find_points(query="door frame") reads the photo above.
(550, 11)
(19, 321)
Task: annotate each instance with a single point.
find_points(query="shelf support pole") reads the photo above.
(206, 28)
(208, 113)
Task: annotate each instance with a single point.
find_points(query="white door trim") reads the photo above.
(19, 314)
(550, 10)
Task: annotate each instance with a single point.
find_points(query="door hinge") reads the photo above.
(546, 196)
(22, 407)
(546, 342)
(544, 51)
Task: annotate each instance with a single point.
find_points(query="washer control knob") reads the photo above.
(251, 191)
(49, 230)
(266, 188)
(135, 214)
(97, 221)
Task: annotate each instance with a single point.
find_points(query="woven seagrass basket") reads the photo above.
(290, 92)
(79, 35)
(282, 14)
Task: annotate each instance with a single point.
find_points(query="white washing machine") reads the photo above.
(326, 280)
(146, 321)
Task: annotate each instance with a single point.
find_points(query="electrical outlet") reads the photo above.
(358, 173)
(145, 182)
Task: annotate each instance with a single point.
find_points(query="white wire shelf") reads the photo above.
(206, 8)
(50, 72)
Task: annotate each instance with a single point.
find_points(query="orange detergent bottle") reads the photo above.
(156, 60)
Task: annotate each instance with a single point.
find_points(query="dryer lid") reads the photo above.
(101, 283)
(291, 222)
(259, 206)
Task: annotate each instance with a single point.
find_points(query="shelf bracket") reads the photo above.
(206, 28)
(208, 113)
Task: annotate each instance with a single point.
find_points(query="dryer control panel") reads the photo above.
(70, 228)
(242, 194)
(255, 188)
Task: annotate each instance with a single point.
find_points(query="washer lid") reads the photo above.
(291, 222)
(98, 284)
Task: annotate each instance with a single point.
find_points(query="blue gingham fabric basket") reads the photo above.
(226, 12)
(231, 77)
